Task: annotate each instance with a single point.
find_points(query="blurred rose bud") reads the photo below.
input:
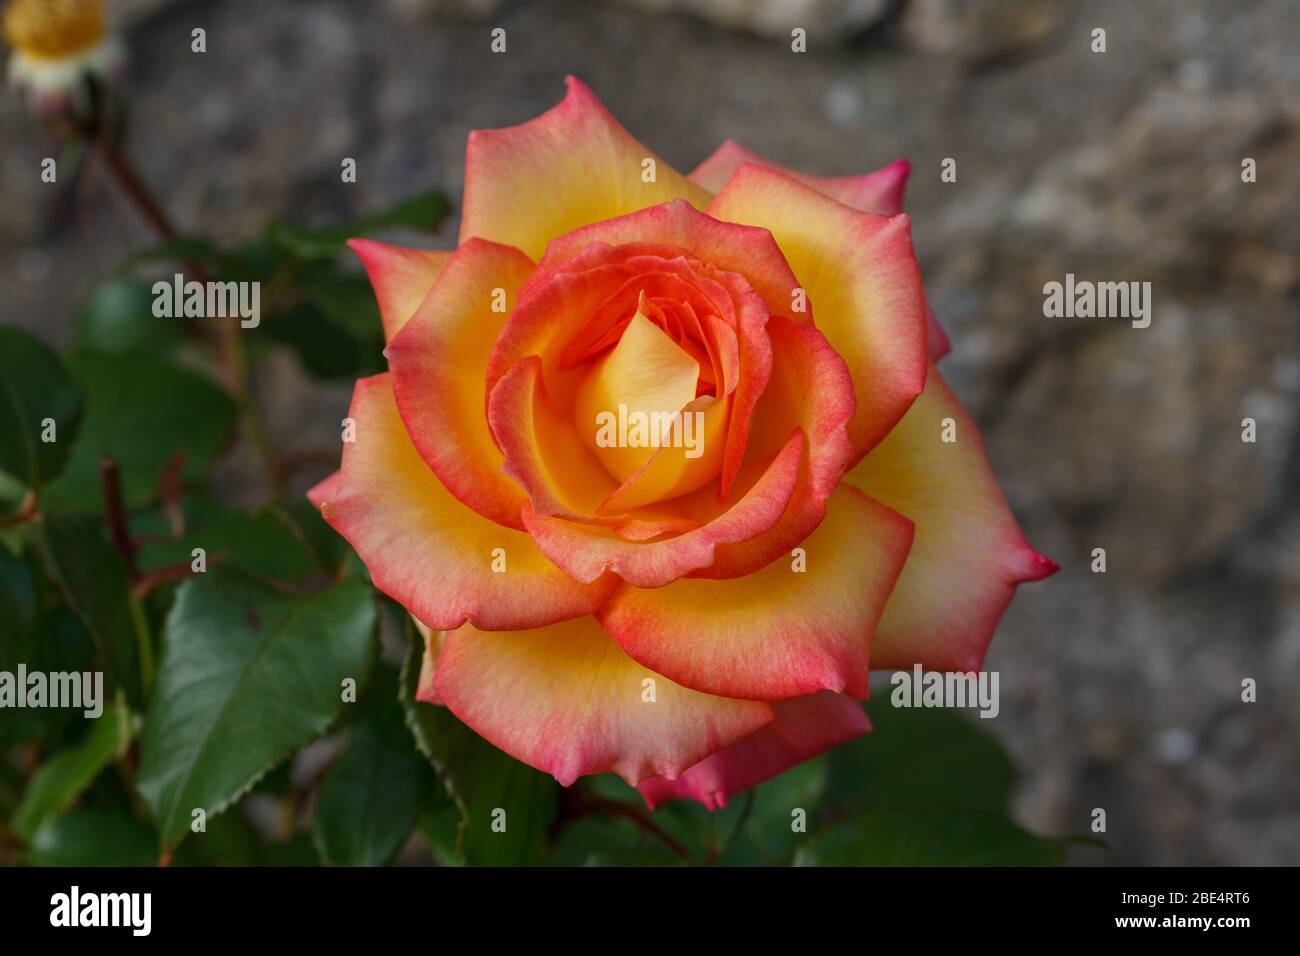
(62, 50)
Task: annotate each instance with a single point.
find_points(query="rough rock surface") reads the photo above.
(1120, 690)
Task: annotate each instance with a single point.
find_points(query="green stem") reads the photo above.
(248, 411)
(144, 644)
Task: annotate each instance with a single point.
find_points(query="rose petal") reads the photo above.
(542, 450)
(324, 490)
(803, 728)
(810, 389)
(425, 549)
(401, 278)
(588, 551)
(554, 321)
(567, 701)
(439, 364)
(424, 689)
(879, 192)
(969, 554)
(573, 165)
(688, 461)
(861, 276)
(647, 374)
(780, 632)
(936, 339)
(748, 251)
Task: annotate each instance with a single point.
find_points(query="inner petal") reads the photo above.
(628, 400)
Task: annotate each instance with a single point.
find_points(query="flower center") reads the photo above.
(53, 29)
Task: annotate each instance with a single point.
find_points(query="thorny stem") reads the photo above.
(115, 512)
(173, 572)
(139, 194)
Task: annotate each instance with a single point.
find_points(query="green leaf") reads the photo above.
(260, 544)
(185, 249)
(424, 211)
(605, 840)
(141, 410)
(439, 824)
(118, 316)
(593, 834)
(248, 675)
(333, 321)
(296, 851)
(327, 348)
(60, 779)
(765, 831)
(92, 837)
(487, 784)
(919, 757)
(94, 581)
(33, 388)
(926, 787)
(17, 607)
(928, 837)
(64, 646)
(303, 520)
(371, 798)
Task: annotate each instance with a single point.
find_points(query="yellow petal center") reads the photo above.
(638, 402)
(53, 29)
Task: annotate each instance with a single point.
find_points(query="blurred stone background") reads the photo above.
(1119, 690)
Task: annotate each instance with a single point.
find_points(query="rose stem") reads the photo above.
(115, 513)
(582, 805)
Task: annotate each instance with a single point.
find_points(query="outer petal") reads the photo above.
(880, 192)
(588, 551)
(780, 632)
(566, 700)
(803, 728)
(860, 274)
(325, 489)
(969, 553)
(439, 364)
(401, 278)
(424, 689)
(571, 166)
(428, 551)
(936, 339)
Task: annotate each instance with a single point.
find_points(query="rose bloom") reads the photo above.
(56, 45)
(694, 619)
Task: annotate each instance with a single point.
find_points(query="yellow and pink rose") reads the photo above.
(694, 622)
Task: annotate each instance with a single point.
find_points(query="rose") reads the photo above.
(700, 623)
(57, 46)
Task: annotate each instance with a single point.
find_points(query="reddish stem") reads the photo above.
(115, 512)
